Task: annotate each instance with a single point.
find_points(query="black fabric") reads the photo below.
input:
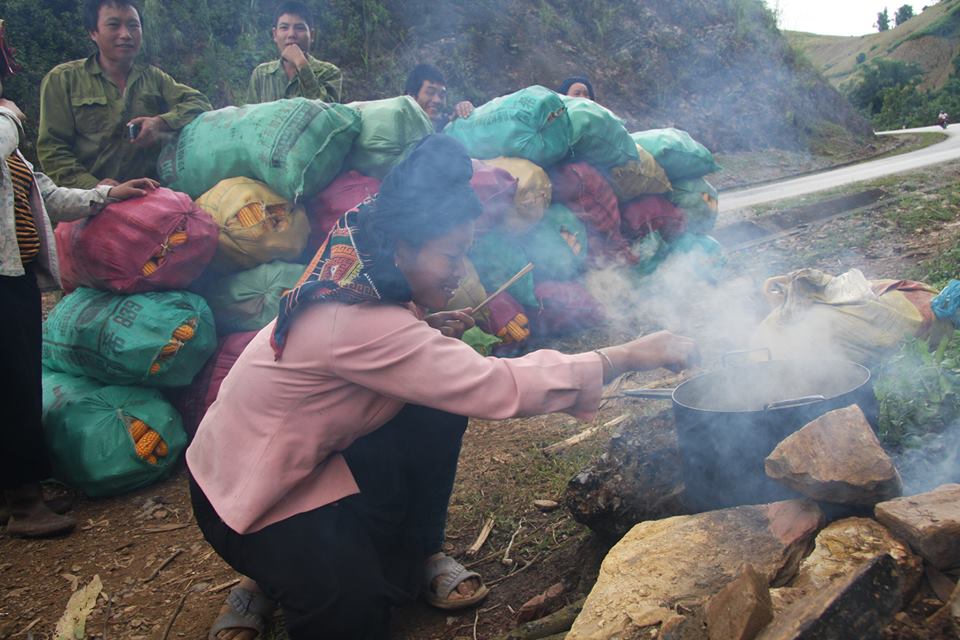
(23, 454)
(337, 570)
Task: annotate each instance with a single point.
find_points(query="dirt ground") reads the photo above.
(161, 580)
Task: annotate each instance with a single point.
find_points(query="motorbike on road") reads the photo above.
(943, 120)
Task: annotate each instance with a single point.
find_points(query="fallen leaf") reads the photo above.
(72, 624)
(72, 579)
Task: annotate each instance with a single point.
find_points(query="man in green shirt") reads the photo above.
(296, 73)
(102, 118)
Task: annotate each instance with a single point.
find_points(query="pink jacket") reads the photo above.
(267, 449)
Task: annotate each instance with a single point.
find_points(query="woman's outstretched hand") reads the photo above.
(660, 349)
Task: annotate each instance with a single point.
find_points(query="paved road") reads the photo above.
(944, 151)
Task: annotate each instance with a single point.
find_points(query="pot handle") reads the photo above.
(662, 394)
(794, 402)
(743, 352)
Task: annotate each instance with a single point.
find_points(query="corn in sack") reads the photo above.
(533, 195)
(249, 300)
(557, 245)
(388, 130)
(256, 225)
(698, 199)
(160, 241)
(531, 123)
(599, 137)
(106, 440)
(296, 146)
(677, 152)
(157, 338)
(636, 178)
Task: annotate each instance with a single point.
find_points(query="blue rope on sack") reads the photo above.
(947, 303)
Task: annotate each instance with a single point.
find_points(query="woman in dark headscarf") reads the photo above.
(576, 87)
(324, 468)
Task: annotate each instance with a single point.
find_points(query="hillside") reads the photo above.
(931, 39)
(717, 68)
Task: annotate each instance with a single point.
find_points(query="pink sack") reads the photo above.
(343, 194)
(507, 320)
(160, 241)
(193, 401)
(497, 189)
(565, 307)
(651, 213)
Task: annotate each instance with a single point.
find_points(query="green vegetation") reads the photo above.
(883, 20)
(903, 14)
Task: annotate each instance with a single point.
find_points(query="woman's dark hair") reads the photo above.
(572, 80)
(424, 197)
(420, 74)
(91, 11)
(294, 9)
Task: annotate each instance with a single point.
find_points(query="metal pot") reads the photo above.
(728, 421)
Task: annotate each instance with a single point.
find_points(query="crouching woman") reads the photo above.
(324, 468)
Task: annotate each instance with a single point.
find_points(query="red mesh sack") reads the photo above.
(193, 401)
(497, 189)
(506, 320)
(324, 209)
(651, 213)
(160, 241)
(565, 307)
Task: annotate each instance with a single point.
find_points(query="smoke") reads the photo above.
(935, 462)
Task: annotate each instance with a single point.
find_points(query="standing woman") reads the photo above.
(28, 260)
(324, 468)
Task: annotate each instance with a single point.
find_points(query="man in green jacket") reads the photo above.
(102, 118)
(296, 73)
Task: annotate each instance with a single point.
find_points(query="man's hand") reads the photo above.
(110, 182)
(451, 323)
(12, 106)
(463, 109)
(293, 54)
(136, 188)
(152, 129)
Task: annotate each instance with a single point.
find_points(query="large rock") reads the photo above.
(836, 458)
(741, 609)
(928, 522)
(637, 478)
(846, 545)
(668, 566)
(858, 606)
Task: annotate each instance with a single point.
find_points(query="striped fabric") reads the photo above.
(27, 236)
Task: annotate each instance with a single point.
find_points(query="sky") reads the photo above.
(837, 17)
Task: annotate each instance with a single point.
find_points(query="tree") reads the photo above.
(903, 14)
(879, 75)
(883, 20)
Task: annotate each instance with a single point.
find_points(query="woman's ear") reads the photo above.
(404, 255)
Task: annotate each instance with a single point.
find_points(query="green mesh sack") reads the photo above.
(296, 146)
(497, 257)
(531, 123)
(557, 245)
(159, 338)
(599, 137)
(651, 250)
(388, 130)
(249, 300)
(698, 199)
(679, 154)
(87, 426)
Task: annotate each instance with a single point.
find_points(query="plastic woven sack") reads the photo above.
(160, 241)
(496, 189)
(599, 137)
(388, 130)
(531, 123)
(533, 192)
(679, 154)
(704, 254)
(256, 224)
(698, 199)
(159, 338)
(557, 245)
(343, 194)
(193, 401)
(296, 146)
(947, 303)
(565, 307)
(249, 300)
(497, 258)
(469, 293)
(508, 321)
(636, 178)
(90, 431)
(651, 213)
(649, 253)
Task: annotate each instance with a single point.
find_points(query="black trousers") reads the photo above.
(338, 569)
(23, 455)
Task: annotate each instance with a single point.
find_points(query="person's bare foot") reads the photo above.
(30, 517)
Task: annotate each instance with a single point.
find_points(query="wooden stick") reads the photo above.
(162, 565)
(583, 435)
(225, 585)
(482, 538)
(527, 269)
(176, 612)
(507, 560)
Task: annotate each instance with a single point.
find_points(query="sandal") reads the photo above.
(453, 574)
(248, 610)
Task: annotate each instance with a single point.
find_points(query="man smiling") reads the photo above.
(296, 73)
(101, 118)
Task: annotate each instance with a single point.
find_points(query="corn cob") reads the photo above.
(251, 215)
(515, 330)
(147, 443)
(149, 268)
(154, 368)
(177, 238)
(161, 449)
(184, 332)
(152, 459)
(170, 348)
(137, 429)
